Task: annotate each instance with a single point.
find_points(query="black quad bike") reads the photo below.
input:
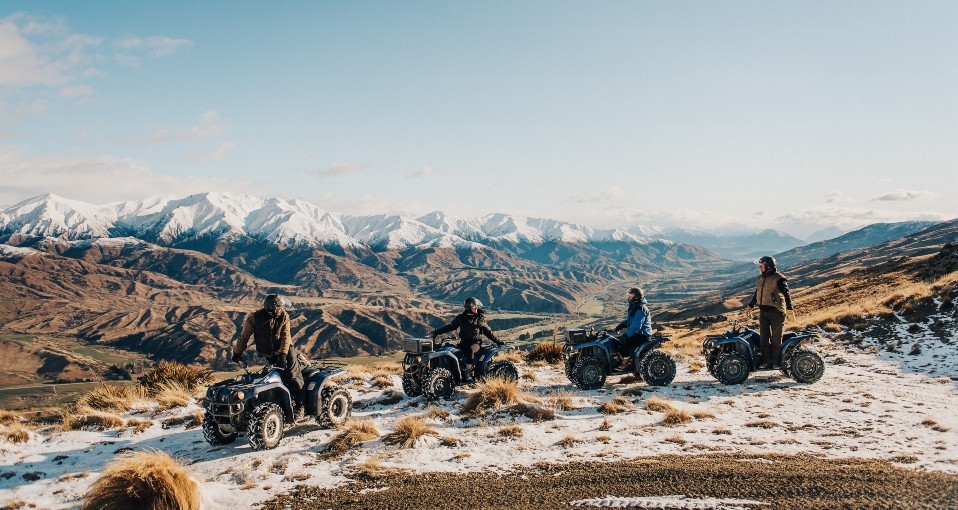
(731, 356)
(591, 357)
(260, 405)
(434, 370)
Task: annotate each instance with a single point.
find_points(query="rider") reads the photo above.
(637, 325)
(471, 323)
(269, 327)
(774, 301)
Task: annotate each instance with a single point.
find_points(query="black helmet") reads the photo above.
(471, 301)
(769, 262)
(274, 302)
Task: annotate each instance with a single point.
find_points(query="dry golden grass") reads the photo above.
(603, 438)
(386, 369)
(171, 372)
(606, 425)
(382, 381)
(171, 394)
(510, 431)
(493, 393)
(765, 424)
(675, 440)
(14, 433)
(513, 355)
(151, 480)
(702, 415)
(90, 419)
(657, 404)
(9, 417)
(616, 406)
(408, 431)
(534, 412)
(560, 400)
(722, 432)
(674, 417)
(352, 433)
(629, 379)
(138, 425)
(529, 375)
(449, 441)
(569, 441)
(435, 413)
(549, 352)
(113, 398)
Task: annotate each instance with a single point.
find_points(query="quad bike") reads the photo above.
(590, 358)
(260, 405)
(435, 369)
(730, 357)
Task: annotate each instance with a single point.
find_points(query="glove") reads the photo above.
(237, 358)
(617, 329)
(499, 343)
(791, 315)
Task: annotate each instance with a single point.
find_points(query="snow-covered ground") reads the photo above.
(868, 404)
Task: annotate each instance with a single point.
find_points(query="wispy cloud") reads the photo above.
(214, 155)
(422, 172)
(851, 217)
(157, 46)
(339, 169)
(838, 197)
(613, 197)
(208, 125)
(904, 195)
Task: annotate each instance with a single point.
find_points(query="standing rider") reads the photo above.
(774, 301)
(269, 327)
(637, 325)
(471, 323)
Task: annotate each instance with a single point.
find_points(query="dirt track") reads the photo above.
(788, 482)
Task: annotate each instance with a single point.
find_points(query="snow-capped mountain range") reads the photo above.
(167, 220)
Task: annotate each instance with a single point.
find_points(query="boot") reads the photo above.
(467, 371)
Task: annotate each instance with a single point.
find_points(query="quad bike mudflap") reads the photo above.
(731, 356)
(434, 370)
(590, 358)
(260, 405)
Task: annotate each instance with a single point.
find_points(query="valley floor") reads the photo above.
(871, 405)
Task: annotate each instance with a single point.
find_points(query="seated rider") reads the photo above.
(269, 327)
(471, 323)
(637, 326)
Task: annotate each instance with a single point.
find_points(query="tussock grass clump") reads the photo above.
(702, 415)
(722, 432)
(435, 413)
(90, 419)
(933, 425)
(9, 417)
(529, 375)
(172, 394)
(353, 432)
(14, 433)
(372, 469)
(491, 394)
(560, 400)
(549, 352)
(382, 381)
(616, 406)
(606, 425)
(138, 425)
(534, 412)
(765, 424)
(113, 398)
(675, 440)
(386, 369)
(629, 379)
(569, 441)
(144, 480)
(510, 431)
(450, 442)
(171, 372)
(514, 356)
(674, 417)
(408, 431)
(659, 405)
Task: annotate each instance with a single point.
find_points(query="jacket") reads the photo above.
(771, 291)
(471, 326)
(638, 320)
(271, 335)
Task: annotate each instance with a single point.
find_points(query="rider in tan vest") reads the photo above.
(774, 301)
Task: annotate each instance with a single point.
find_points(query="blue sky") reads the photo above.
(789, 115)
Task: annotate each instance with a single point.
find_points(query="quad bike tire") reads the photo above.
(657, 368)
(335, 408)
(411, 385)
(731, 368)
(570, 364)
(505, 370)
(266, 426)
(213, 432)
(437, 383)
(710, 361)
(805, 366)
(588, 373)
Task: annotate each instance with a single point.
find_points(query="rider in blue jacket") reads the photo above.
(637, 325)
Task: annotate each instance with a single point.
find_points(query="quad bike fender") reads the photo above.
(316, 383)
(653, 343)
(443, 359)
(276, 393)
(737, 344)
(797, 341)
(491, 352)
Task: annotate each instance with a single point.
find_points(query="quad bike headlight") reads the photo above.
(239, 395)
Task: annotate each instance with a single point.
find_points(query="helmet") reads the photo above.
(471, 301)
(769, 262)
(275, 303)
